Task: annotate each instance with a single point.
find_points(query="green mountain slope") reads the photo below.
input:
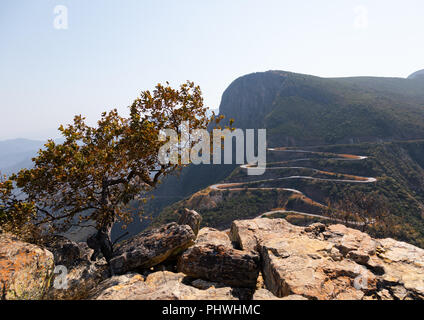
(356, 114)
(303, 110)
(397, 166)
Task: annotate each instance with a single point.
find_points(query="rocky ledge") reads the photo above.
(25, 269)
(258, 259)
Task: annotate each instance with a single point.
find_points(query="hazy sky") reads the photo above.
(112, 50)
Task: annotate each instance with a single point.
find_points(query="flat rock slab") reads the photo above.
(331, 262)
(150, 248)
(246, 233)
(162, 285)
(220, 263)
(213, 236)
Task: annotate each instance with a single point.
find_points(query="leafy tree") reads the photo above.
(15, 214)
(94, 174)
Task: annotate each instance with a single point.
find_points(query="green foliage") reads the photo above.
(232, 206)
(97, 171)
(398, 167)
(299, 110)
(16, 216)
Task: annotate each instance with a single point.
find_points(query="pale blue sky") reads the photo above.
(114, 49)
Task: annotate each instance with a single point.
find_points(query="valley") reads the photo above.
(298, 184)
(327, 138)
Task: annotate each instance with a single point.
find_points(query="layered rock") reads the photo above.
(334, 262)
(213, 236)
(152, 247)
(221, 264)
(65, 251)
(245, 233)
(260, 259)
(403, 266)
(190, 218)
(25, 269)
(162, 285)
(214, 258)
(81, 275)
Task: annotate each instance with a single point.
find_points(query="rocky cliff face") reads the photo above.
(334, 262)
(258, 259)
(250, 95)
(25, 269)
(299, 110)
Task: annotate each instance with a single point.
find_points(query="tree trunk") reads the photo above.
(101, 243)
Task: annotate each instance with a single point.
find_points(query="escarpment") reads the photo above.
(259, 258)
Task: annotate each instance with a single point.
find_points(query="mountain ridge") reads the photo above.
(368, 116)
(300, 109)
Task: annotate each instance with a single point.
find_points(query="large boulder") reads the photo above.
(213, 236)
(331, 262)
(220, 263)
(244, 233)
(214, 258)
(65, 252)
(303, 266)
(80, 280)
(161, 285)
(152, 247)
(25, 269)
(190, 218)
(81, 275)
(403, 266)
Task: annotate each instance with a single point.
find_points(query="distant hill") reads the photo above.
(418, 74)
(299, 110)
(17, 154)
(305, 111)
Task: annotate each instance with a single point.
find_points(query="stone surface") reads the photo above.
(278, 261)
(65, 251)
(204, 284)
(190, 218)
(354, 244)
(220, 263)
(301, 266)
(403, 264)
(25, 269)
(162, 285)
(263, 294)
(244, 233)
(152, 247)
(334, 262)
(81, 279)
(82, 274)
(213, 236)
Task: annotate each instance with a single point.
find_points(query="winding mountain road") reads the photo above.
(238, 186)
